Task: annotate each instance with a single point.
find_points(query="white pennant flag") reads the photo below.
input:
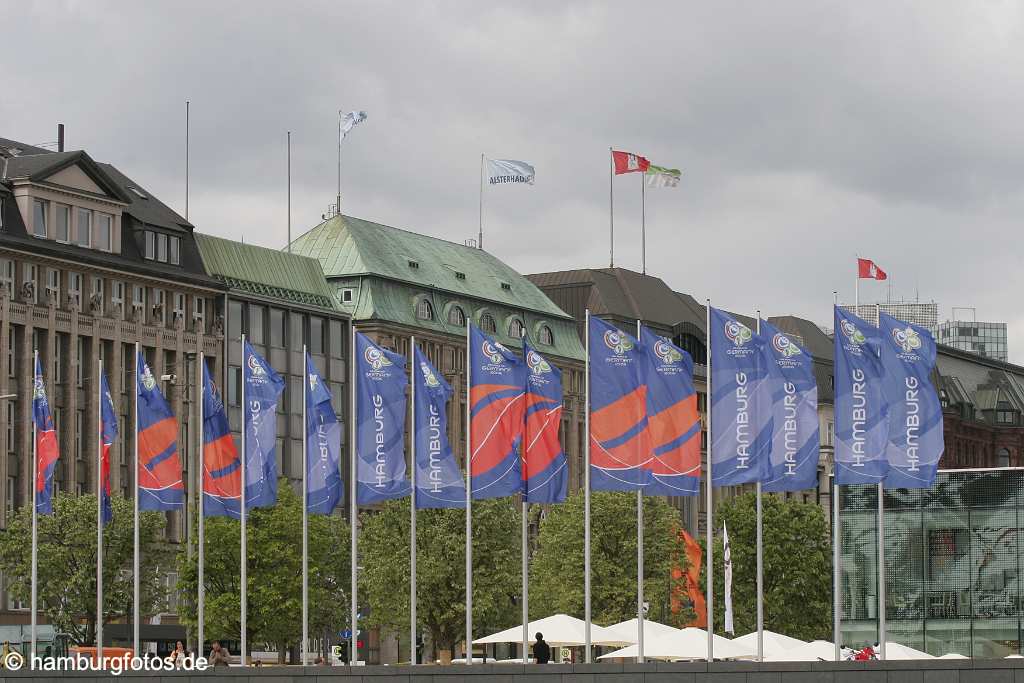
(727, 560)
(349, 121)
(502, 171)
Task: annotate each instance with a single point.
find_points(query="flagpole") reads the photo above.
(643, 223)
(412, 506)
(35, 503)
(480, 241)
(338, 205)
(881, 545)
(586, 497)
(99, 514)
(244, 559)
(639, 555)
(201, 609)
(353, 508)
(836, 587)
(136, 608)
(760, 557)
(709, 529)
(290, 199)
(305, 508)
(524, 553)
(611, 208)
(469, 472)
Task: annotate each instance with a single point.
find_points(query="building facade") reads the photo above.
(984, 339)
(925, 314)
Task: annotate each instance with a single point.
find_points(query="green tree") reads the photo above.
(440, 562)
(556, 571)
(67, 563)
(274, 574)
(797, 566)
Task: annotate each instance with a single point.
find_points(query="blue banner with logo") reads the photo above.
(861, 410)
(109, 433)
(439, 482)
(47, 450)
(620, 440)
(740, 403)
(497, 400)
(323, 446)
(795, 429)
(380, 423)
(159, 465)
(222, 468)
(546, 473)
(263, 387)
(672, 418)
(916, 441)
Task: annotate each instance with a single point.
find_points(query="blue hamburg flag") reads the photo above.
(439, 482)
(159, 465)
(861, 410)
(795, 430)
(323, 446)
(740, 403)
(545, 472)
(380, 423)
(916, 441)
(263, 387)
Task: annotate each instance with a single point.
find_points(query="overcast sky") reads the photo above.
(807, 132)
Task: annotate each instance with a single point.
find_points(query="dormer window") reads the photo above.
(546, 336)
(162, 247)
(506, 286)
(62, 217)
(138, 192)
(104, 231)
(414, 263)
(39, 217)
(424, 310)
(515, 328)
(487, 323)
(84, 228)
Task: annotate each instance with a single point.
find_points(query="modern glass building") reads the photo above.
(953, 559)
(984, 339)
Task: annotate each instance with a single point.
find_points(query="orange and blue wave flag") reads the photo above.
(545, 472)
(222, 468)
(108, 427)
(47, 451)
(159, 467)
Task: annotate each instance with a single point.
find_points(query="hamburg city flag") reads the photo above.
(627, 162)
(497, 409)
(620, 439)
(861, 411)
(263, 387)
(672, 419)
(380, 423)
(46, 444)
(323, 446)
(916, 441)
(108, 428)
(439, 482)
(159, 467)
(740, 403)
(222, 468)
(794, 396)
(545, 473)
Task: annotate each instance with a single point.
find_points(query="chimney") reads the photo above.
(60, 137)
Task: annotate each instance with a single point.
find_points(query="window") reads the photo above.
(297, 327)
(1003, 458)
(79, 361)
(63, 222)
(150, 245)
(546, 336)
(1, 214)
(506, 286)
(28, 274)
(117, 295)
(79, 424)
(10, 429)
(174, 250)
(487, 323)
(7, 276)
(235, 329)
(515, 328)
(234, 385)
(75, 288)
(199, 308)
(456, 316)
(84, 228)
(414, 263)
(161, 247)
(160, 306)
(335, 339)
(138, 298)
(39, 218)
(1006, 417)
(12, 354)
(53, 284)
(179, 307)
(346, 296)
(424, 310)
(96, 296)
(104, 231)
(316, 334)
(830, 433)
(257, 316)
(277, 328)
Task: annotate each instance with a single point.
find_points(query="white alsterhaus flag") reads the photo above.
(502, 171)
(727, 560)
(349, 121)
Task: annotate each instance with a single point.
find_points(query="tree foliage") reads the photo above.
(441, 559)
(67, 563)
(274, 550)
(797, 566)
(556, 572)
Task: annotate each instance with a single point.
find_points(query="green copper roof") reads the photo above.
(349, 246)
(266, 272)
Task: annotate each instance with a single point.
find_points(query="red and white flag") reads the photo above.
(626, 162)
(866, 268)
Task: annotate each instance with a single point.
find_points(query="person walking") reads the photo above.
(541, 650)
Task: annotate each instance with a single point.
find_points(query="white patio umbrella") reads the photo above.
(560, 630)
(816, 650)
(952, 655)
(774, 643)
(897, 651)
(627, 630)
(686, 644)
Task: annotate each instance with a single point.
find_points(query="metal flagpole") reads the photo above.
(836, 616)
(639, 556)
(244, 559)
(353, 508)
(290, 199)
(709, 529)
(480, 240)
(187, 105)
(305, 501)
(338, 205)
(469, 480)
(611, 208)
(201, 522)
(35, 511)
(99, 513)
(136, 610)
(586, 497)
(524, 553)
(881, 546)
(412, 502)
(760, 557)
(643, 224)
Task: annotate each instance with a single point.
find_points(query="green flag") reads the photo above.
(657, 176)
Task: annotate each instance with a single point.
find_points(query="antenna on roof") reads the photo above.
(470, 242)
(60, 137)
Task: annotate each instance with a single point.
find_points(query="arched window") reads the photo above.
(546, 336)
(515, 328)
(1003, 457)
(456, 316)
(424, 310)
(693, 346)
(487, 323)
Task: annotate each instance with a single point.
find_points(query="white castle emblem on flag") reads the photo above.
(632, 163)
